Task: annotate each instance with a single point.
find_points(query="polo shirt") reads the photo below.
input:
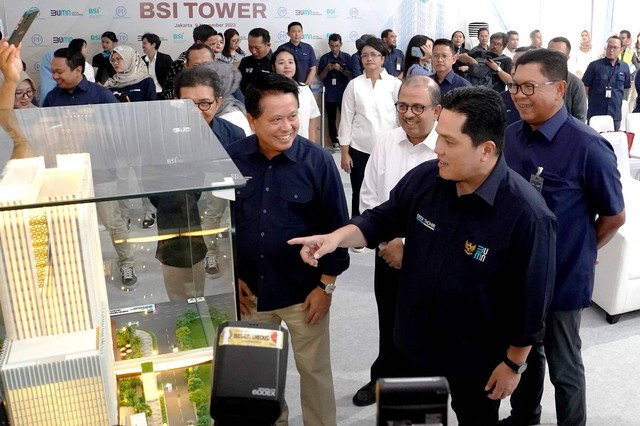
(581, 180)
(305, 56)
(450, 82)
(477, 271)
(250, 67)
(85, 93)
(298, 192)
(599, 75)
(335, 82)
(393, 62)
(226, 132)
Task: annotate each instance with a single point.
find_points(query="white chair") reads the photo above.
(633, 126)
(624, 111)
(602, 123)
(618, 141)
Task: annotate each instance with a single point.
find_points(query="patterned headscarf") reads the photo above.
(135, 69)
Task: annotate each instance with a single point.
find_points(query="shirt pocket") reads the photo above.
(297, 203)
(244, 206)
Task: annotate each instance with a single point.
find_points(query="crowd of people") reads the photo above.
(485, 256)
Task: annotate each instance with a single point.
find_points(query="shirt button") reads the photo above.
(262, 277)
(262, 234)
(267, 189)
(295, 196)
(264, 211)
(262, 256)
(270, 167)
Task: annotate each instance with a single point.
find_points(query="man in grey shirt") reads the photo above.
(575, 99)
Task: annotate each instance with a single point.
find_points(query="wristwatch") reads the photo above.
(517, 368)
(498, 70)
(327, 288)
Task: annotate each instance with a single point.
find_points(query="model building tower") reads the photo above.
(56, 363)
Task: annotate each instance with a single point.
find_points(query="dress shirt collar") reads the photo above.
(252, 147)
(488, 189)
(550, 127)
(429, 141)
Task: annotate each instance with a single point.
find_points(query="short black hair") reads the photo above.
(201, 33)
(562, 40)
(485, 112)
(199, 46)
(152, 39)
(73, 58)
(335, 37)
(374, 43)
(512, 32)
(502, 36)
(267, 84)
(524, 49)
(293, 24)
(553, 64)
(110, 35)
(198, 76)
(385, 33)
(260, 32)
(626, 32)
(615, 37)
(445, 42)
(533, 33)
(483, 29)
(77, 44)
(277, 53)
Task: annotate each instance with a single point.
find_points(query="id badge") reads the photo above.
(398, 66)
(607, 92)
(536, 180)
(334, 81)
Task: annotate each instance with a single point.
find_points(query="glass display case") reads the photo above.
(116, 260)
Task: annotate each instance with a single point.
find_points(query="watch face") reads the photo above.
(329, 288)
(522, 368)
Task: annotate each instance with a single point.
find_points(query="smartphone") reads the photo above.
(25, 22)
(416, 52)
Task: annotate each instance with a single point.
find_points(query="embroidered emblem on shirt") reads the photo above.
(479, 252)
(425, 222)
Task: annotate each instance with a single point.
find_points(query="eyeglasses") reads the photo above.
(204, 105)
(370, 55)
(417, 109)
(496, 44)
(527, 89)
(24, 94)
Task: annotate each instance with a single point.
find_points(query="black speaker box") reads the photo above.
(249, 373)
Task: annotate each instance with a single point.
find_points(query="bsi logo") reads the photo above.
(95, 37)
(178, 36)
(37, 39)
(94, 11)
(123, 37)
(331, 11)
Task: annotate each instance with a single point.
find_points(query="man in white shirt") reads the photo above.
(159, 63)
(512, 44)
(396, 152)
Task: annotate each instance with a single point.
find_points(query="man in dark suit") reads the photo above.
(159, 64)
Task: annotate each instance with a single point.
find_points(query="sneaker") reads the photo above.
(149, 220)
(129, 278)
(366, 395)
(211, 267)
(127, 220)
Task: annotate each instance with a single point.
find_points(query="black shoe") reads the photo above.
(366, 395)
(512, 421)
(129, 278)
(149, 220)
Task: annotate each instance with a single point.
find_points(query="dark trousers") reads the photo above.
(332, 109)
(468, 398)
(356, 176)
(562, 346)
(385, 285)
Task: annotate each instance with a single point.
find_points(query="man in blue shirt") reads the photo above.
(293, 188)
(442, 58)
(67, 68)
(203, 86)
(395, 58)
(575, 170)
(305, 55)
(478, 263)
(335, 73)
(607, 81)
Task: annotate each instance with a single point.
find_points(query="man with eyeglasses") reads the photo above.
(607, 82)
(575, 170)
(478, 260)
(442, 59)
(395, 153)
(491, 68)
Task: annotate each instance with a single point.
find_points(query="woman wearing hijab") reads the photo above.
(24, 92)
(580, 59)
(131, 82)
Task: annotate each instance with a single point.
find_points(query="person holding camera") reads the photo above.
(131, 82)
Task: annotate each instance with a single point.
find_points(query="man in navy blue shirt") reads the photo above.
(259, 41)
(479, 258)
(607, 82)
(335, 73)
(442, 59)
(203, 86)
(575, 170)
(293, 188)
(305, 55)
(67, 68)
(395, 58)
